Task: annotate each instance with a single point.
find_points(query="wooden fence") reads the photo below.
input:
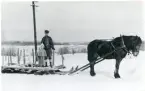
(17, 56)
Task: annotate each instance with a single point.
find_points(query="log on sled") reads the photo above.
(31, 70)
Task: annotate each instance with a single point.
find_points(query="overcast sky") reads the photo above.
(72, 21)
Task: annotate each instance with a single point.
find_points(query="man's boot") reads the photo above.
(46, 64)
(51, 65)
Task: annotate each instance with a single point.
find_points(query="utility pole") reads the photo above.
(35, 33)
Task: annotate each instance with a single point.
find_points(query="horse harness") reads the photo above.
(122, 47)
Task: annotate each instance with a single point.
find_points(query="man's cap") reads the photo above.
(46, 31)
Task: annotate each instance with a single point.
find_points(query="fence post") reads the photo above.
(18, 56)
(53, 58)
(39, 54)
(36, 57)
(24, 56)
(62, 59)
(8, 60)
(3, 56)
(10, 56)
(5, 53)
(33, 55)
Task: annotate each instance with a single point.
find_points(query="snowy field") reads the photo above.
(28, 49)
(131, 72)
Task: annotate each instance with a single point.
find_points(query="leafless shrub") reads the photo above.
(64, 50)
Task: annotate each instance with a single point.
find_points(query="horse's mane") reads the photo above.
(125, 37)
(129, 41)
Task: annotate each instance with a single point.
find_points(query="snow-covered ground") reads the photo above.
(131, 71)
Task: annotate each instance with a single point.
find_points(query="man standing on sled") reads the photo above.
(48, 47)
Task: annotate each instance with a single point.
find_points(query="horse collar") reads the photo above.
(124, 46)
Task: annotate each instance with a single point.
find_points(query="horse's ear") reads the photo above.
(136, 36)
(120, 35)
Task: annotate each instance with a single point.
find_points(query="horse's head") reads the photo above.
(136, 44)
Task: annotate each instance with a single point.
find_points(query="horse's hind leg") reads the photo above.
(91, 58)
(92, 72)
(116, 73)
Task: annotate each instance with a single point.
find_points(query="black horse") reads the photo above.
(98, 48)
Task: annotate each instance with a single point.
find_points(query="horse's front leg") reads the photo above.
(116, 72)
(92, 72)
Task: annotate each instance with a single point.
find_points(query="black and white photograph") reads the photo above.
(72, 46)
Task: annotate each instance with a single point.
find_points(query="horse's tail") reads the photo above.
(92, 51)
(89, 53)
